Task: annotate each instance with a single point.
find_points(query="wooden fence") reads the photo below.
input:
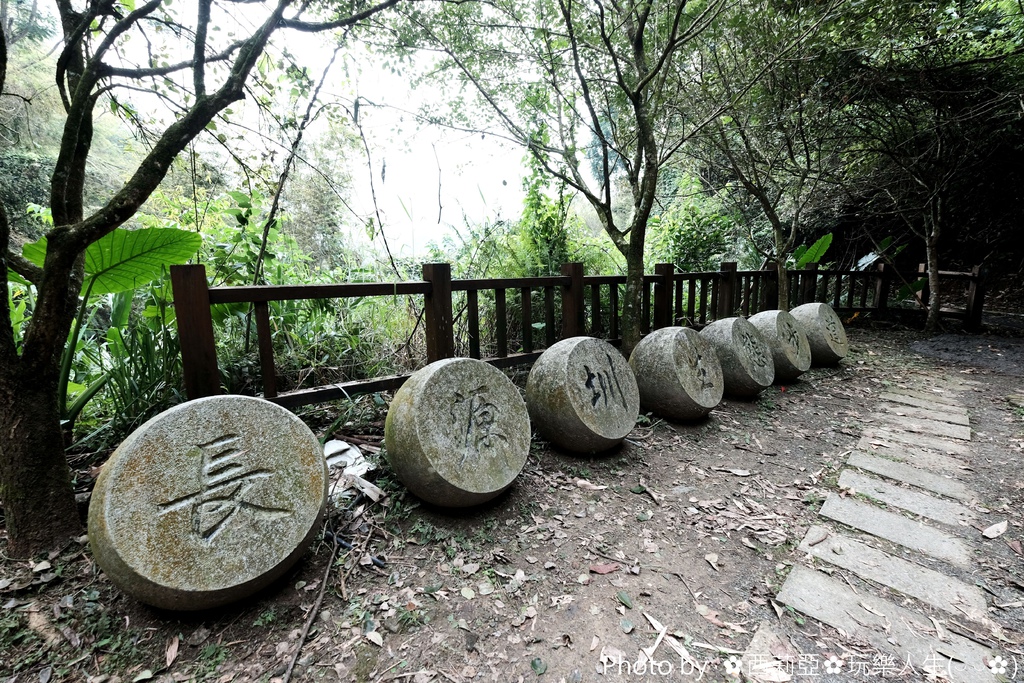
(571, 304)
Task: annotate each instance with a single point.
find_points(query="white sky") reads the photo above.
(480, 178)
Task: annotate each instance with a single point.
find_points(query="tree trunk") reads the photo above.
(783, 290)
(35, 480)
(632, 305)
(931, 324)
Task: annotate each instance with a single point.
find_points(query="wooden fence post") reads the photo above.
(975, 301)
(727, 286)
(770, 290)
(882, 288)
(925, 295)
(573, 302)
(195, 331)
(663, 294)
(437, 306)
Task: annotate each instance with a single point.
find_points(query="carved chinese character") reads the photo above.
(697, 368)
(754, 349)
(223, 488)
(603, 383)
(476, 416)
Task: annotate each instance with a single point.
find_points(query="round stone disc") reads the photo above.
(678, 373)
(824, 331)
(747, 365)
(457, 432)
(790, 348)
(208, 502)
(582, 395)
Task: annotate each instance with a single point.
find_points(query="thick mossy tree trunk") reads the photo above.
(632, 303)
(35, 480)
(782, 275)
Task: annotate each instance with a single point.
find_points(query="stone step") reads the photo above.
(937, 509)
(914, 476)
(927, 585)
(894, 527)
(924, 403)
(918, 413)
(943, 396)
(888, 627)
(927, 427)
(929, 460)
(919, 440)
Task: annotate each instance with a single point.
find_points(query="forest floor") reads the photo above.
(677, 543)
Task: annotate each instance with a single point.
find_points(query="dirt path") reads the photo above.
(679, 543)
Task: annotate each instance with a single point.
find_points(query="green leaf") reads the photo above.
(35, 251)
(126, 259)
(624, 598)
(241, 199)
(538, 666)
(815, 251)
(120, 309)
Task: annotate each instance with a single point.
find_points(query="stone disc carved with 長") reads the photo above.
(208, 502)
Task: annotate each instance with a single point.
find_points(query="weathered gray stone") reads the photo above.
(747, 365)
(927, 585)
(925, 426)
(918, 457)
(678, 373)
(897, 528)
(911, 475)
(943, 406)
(582, 395)
(790, 349)
(457, 432)
(949, 402)
(938, 509)
(887, 626)
(926, 414)
(208, 502)
(824, 331)
(918, 440)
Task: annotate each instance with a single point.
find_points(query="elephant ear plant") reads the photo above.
(117, 264)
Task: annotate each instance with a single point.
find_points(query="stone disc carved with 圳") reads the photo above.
(825, 333)
(457, 432)
(582, 395)
(208, 502)
(747, 365)
(791, 351)
(678, 373)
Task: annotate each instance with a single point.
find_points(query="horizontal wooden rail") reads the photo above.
(257, 293)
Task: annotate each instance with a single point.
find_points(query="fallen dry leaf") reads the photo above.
(710, 615)
(996, 530)
(607, 568)
(172, 651)
(712, 559)
(1015, 546)
(587, 486)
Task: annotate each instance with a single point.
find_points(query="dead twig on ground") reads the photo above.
(312, 613)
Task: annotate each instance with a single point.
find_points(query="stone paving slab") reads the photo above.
(938, 509)
(927, 427)
(918, 413)
(924, 403)
(927, 585)
(911, 475)
(919, 440)
(895, 527)
(929, 460)
(944, 397)
(886, 626)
